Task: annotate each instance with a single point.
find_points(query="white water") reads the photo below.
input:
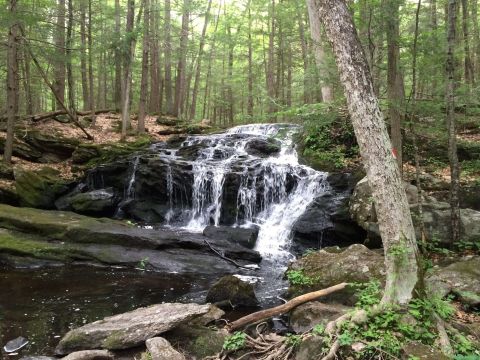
(288, 187)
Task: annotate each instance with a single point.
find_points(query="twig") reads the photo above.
(224, 257)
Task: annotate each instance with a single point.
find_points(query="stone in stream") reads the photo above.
(161, 349)
(246, 237)
(231, 291)
(130, 329)
(38, 358)
(15, 344)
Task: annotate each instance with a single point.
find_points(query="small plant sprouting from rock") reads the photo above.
(142, 265)
(293, 340)
(318, 329)
(297, 277)
(235, 342)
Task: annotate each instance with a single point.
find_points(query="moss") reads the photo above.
(114, 340)
(74, 340)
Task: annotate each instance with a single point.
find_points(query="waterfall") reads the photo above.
(273, 191)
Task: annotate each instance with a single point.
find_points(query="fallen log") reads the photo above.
(284, 308)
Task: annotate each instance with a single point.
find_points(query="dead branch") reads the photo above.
(224, 257)
(284, 308)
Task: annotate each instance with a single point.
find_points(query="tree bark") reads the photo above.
(395, 87)
(270, 65)
(315, 31)
(83, 55)
(396, 228)
(196, 84)
(59, 62)
(181, 80)
(250, 104)
(12, 80)
(468, 64)
(452, 136)
(476, 36)
(91, 91)
(155, 103)
(118, 58)
(144, 81)
(168, 59)
(70, 80)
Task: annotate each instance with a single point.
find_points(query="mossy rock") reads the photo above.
(328, 267)
(230, 290)
(84, 153)
(198, 341)
(111, 152)
(6, 171)
(39, 189)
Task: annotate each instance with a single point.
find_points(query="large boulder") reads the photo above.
(130, 329)
(90, 355)
(263, 147)
(331, 266)
(242, 236)
(231, 291)
(461, 278)
(95, 202)
(54, 148)
(436, 216)
(39, 189)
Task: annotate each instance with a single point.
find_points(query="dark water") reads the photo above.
(42, 305)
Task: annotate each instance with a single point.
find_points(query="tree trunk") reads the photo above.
(304, 48)
(83, 55)
(181, 80)
(395, 222)
(59, 62)
(468, 64)
(69, 43)
(476, 36)
(118, 58)
(196, 83)
(12, 80)
(29, 108)
(450, 106)
(168, 59)
(250, 62)
(144, 81)
(315, 30)
(91, 91)
(155, 103)
(395, 88)
(270, 65)
(127, 67)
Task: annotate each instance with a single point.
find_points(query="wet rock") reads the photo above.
(304, 317)
(90, 355)
(436, 216)
(460, 278)
(15, 344)
(331, 266)
(161, 349)
(420, 351)
(312, 348)
(231, 291)
(263, 147)
(37, 358)
(39, 189)
(242, 236)
(129, 329)
(198, 341)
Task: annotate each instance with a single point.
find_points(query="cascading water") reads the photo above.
(272, 193)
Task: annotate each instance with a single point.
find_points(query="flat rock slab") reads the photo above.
(130, 329)
(90, 355)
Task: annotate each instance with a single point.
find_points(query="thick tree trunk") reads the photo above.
(91, 91)
(315, 31)
(452, 136)
(12, 80)
(196, 83)
(395, 88)
(144, 81)
(304, 48)
(59, 62)
(395, 222)
(155, 103)
(476, 36)
(168, 59)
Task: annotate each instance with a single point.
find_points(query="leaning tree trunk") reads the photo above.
(395, 222)
(12, 82)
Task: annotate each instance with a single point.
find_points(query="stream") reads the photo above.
(249, 176)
